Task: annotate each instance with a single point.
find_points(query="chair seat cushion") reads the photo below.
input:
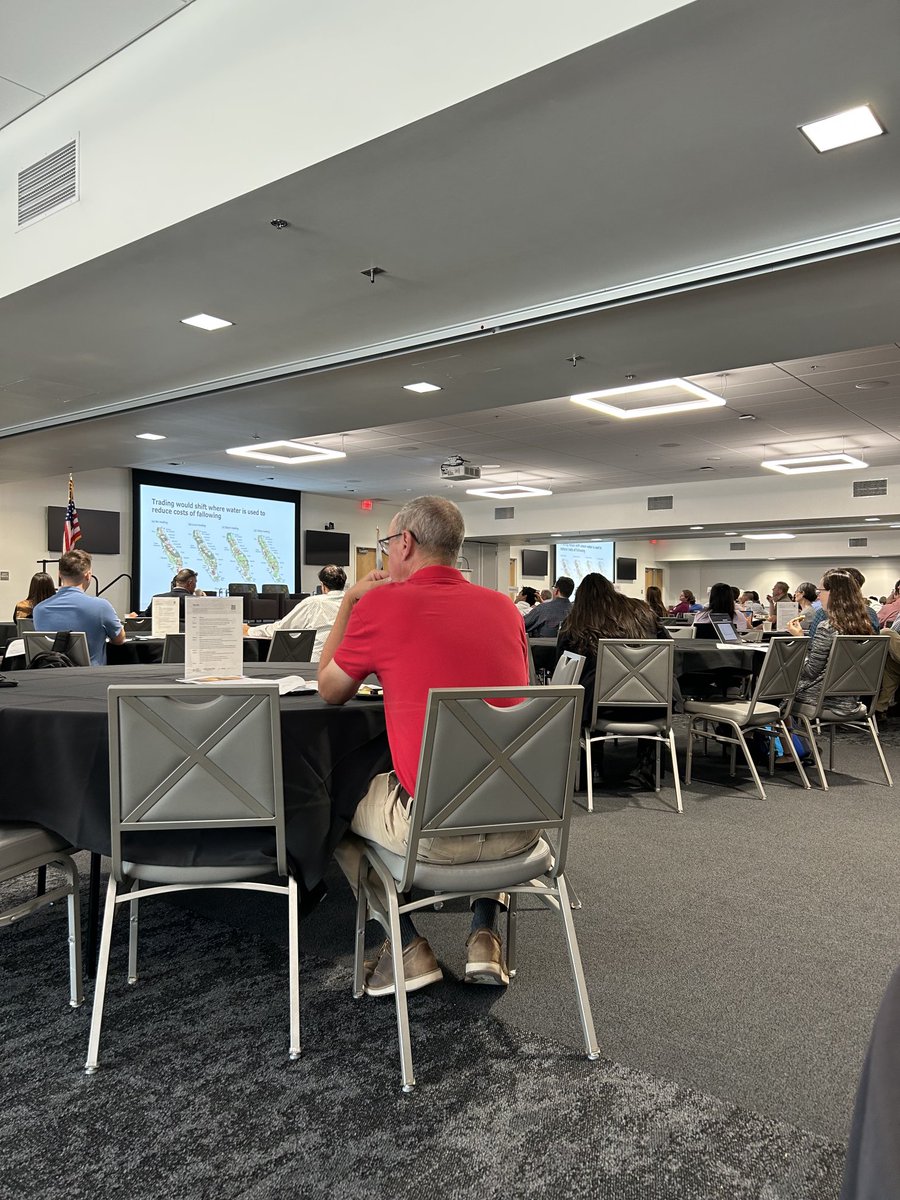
(155, 873)
(20, 841)
(630, 728)
(493, 875)
(855, 714)
(733, 710)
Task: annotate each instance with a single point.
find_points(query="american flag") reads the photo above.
(71, 526)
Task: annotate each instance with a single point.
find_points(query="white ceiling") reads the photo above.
(47, 44)
(671, 146)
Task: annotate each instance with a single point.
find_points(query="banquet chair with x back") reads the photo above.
(483, 769)
(193, 760)
(292, 645)
(855, 667)
(633, 699)
(568, 668)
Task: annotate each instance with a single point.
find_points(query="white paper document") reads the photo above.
(165, 615)
(296, 683)
(213, 638)
(785, 610)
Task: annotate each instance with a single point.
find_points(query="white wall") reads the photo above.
(24, 541)
(229, 96)
(317, 511)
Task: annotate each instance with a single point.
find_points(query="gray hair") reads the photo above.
(436, 523)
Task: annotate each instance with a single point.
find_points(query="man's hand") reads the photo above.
(374, 579)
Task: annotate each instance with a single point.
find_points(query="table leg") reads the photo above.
(93, 920)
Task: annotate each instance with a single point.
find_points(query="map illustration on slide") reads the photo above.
(224, 538)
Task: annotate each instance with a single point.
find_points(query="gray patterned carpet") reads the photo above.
(196, 1097)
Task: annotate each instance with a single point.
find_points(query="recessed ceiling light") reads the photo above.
(873, 518)
(696, 527)
(295, 452)
(807, 464)
(698, 398)
(869, 385)
(421, 387)
(509, 491)
(151, 437)
(490, 466)
(746, 417)
(895, 527)
(731, 533)
(205, 321)
(844, 128)
(768, 537)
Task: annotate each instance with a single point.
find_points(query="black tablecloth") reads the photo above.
(54, 746)
(137, 651)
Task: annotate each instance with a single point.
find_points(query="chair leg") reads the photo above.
(406, 1063)
(675, 779)
(817, 757)
(584, 1008)
(689, 757)
(76, 994)
(109, 913)
(792, 750)
(133, 933)
(359, 983)
(589, 771)
(831, 730)
(750, 763)
(658, 773)
(873, 729)
(512, 921)
(294, 965)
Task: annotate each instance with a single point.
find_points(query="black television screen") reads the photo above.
(626, 569)
(99, 530)
(535, 564)
(323, 546)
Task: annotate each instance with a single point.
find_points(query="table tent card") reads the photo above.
(213, 638)
(165, 615)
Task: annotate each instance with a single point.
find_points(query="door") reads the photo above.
(365, 561)
(653, 577)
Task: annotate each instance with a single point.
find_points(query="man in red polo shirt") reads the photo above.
(419, 624)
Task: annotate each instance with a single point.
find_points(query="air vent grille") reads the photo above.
(870, 487)
(49, 185)
(857, 542)
(504, 514)
(655, 503)
(737, 545)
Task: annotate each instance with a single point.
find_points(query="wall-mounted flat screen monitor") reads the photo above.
(323, 546)
(99, 530)
(226, 532)
(535, 564)
(626, 569)
(577, 559)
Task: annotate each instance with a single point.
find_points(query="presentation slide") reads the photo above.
(224, 538)
(577, 559)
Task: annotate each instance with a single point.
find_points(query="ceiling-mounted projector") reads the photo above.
(458, 468)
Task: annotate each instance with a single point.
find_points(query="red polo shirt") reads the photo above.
(434, 630)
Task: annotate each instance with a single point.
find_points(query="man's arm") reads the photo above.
(335, 685)
(115, 630)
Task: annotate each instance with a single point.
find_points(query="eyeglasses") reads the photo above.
(383, 542)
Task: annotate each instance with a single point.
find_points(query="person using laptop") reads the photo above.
(720, 609)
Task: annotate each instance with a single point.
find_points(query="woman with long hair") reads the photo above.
(845, 612)
(655, 602)
(40, 588)
(720, 606)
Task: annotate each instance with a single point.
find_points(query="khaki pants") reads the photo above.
(382, 816)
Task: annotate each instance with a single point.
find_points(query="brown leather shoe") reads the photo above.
(485, 962)
(420, 968)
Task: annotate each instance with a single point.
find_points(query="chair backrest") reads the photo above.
(192, 758)
(854, 668)
(683, 632)
(242, 589)
(275, 589)
(777, 682)
(292, 645)
(23, 624)
(73, 645)
(634, 674)
(138, 624)
(568, 668)
(8, 633)
(173, 648)
(486, 769)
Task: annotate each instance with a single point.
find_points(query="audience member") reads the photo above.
(807, 596)
(184, 584)
(526, 600)
(420, 625)
(655, 602)
(843, 611)
(546, 594)
(687, 603)
(70, 609)
(315, 612)
(721, 606)
(887, 614)
(748, 603)
(40, 588)
(545, 619)
(780, 593)
(859, 579)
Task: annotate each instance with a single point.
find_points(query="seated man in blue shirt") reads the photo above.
(72, 610)
(545, 619)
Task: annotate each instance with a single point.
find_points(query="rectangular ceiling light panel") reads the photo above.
(650, 399)
(854, 125)
(293, 453)
(510, 491)
(809, 464)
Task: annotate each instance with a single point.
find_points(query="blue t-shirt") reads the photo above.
(71, 609)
